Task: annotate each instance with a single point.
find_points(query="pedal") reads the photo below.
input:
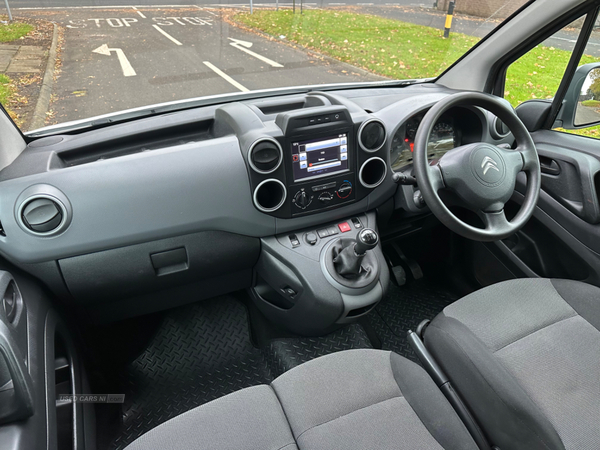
(413, 266)
(399, 275)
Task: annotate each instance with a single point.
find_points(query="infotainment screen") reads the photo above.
(319, 157)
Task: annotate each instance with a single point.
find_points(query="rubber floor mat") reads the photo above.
(200, 352)
(285, 354)
(403, 308)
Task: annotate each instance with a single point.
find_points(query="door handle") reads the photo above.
(549, 166)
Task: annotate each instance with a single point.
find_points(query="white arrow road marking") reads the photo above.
(167, 35)
(245, 45)
(125, 65)
(225, 76)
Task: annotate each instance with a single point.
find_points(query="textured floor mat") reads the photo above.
(203, 351)
(285, 354)
(200, 352)
(403, 308)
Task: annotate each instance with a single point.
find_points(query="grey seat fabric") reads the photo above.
(248, 419)
(357, 399)
(525, 356)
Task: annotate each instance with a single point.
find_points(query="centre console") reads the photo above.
(324, 159)
(316, 279)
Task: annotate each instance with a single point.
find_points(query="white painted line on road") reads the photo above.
(208, 10)
(365, 4)
(167, 35)
(245, 45)
(336, 4)
(225, 77)
(572, 41)
(139, 12)
(125, 65)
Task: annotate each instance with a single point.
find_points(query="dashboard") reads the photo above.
(213, 181)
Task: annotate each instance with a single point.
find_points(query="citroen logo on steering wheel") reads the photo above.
(489, 163)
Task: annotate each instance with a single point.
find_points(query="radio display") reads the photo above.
(318, 157)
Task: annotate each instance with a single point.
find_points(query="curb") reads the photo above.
(43, 102)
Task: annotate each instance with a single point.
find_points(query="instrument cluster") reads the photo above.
(444, 137)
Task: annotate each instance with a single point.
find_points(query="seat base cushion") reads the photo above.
(250, 419)
(525, 356)
(361, 399)
(356, 399)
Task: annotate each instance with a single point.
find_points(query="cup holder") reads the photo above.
(269, 195)
(372, 172)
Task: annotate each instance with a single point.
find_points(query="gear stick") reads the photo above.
(348, 262)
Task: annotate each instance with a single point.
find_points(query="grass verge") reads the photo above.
(6, 89)
(386, 47)
(591, 103)
(13, 31)
(402, 50)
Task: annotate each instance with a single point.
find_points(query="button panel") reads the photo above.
(315, 238)
(326, 118)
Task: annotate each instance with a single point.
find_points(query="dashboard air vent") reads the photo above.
(265, 155)
(372, 172)
(371, 135)
(42, 215)
(270, 195)
(500, 128)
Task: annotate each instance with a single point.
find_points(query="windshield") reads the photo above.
(69, 60)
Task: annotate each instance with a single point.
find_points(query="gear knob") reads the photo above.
(367, 239)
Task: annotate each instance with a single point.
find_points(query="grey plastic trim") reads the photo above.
(256, 169)
(360, 173)
(352, 302)
(362, 127)
(279, 205)
(50, 193)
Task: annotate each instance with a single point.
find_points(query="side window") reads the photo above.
(538, 74)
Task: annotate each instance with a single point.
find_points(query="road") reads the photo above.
(585, 115)
(128, 57)
(104, 3)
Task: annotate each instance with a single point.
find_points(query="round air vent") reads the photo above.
(500, 128)
(42, 215)
(265, 155)
(269, 195)
(371, 135)
(372, 172)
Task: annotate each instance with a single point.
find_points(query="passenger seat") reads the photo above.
(356, 399)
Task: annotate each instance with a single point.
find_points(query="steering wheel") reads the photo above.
(482, 175)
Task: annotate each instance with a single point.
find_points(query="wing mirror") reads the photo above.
(581, 106)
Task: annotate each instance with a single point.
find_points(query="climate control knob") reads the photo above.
(344, 190)
(302, 199)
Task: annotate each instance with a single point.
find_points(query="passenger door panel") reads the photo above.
(563, 237)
